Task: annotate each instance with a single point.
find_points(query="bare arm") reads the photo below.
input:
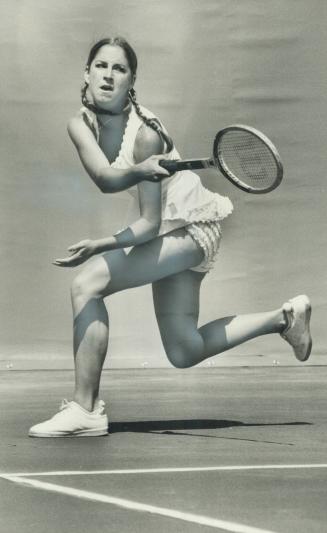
(147, 144)
(96, 164)
(142, 230)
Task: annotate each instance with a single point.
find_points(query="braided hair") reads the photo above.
(153, 123)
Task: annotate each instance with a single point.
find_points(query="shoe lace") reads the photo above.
(64, 404)
(101, 407)
(289, 317)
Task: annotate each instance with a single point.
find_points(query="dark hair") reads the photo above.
(132, 61)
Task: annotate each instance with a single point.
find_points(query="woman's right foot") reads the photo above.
(297, 312)
(73, 421)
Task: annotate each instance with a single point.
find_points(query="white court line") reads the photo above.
(137, 506)
(167, 470)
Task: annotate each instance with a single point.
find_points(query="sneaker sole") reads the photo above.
(82, 433)
(307, 317)
(307, 320)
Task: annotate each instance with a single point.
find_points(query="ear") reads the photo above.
(133, 81)
(87, 76)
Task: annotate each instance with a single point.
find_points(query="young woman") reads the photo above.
(171, 245)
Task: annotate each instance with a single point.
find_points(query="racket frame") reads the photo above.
(219, 160)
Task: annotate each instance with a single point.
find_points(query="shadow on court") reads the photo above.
(169, 426)
(183, 427)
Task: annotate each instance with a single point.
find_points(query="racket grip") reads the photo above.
(191, 164)
(170, 165)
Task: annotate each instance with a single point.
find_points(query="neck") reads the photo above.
(104, 118)
(100, 111)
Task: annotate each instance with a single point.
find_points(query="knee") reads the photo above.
(184, 354)
(179, 360)
(86, 285)
(79, 286)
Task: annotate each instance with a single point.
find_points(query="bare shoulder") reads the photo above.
(75, 123)
(148, 142)
(77, 129)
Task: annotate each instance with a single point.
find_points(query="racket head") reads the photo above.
(248, 159)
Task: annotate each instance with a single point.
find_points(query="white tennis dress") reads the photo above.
(185, 201)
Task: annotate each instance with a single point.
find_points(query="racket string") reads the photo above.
(247, 158)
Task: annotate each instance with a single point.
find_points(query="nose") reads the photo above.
(108, 75)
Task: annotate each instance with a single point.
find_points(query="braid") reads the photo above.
(85, 101)
(153, 123)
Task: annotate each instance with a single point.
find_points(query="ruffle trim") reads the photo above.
(216, 210)
(208, 236)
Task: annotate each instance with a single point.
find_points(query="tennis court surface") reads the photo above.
(238, 449)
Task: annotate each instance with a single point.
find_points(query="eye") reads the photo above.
(120, 68)
(100, 64)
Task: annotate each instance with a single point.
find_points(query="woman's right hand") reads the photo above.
(151, 170)
(80, 252)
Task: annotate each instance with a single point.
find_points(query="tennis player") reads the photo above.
(172, 244)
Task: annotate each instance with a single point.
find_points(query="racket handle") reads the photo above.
(187, 164)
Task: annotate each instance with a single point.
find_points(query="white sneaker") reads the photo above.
(73, 421)
(297, 332)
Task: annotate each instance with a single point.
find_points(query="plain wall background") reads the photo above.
(202, 65)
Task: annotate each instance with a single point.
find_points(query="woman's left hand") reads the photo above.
(80, 252)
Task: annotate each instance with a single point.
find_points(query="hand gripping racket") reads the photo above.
(244, 155)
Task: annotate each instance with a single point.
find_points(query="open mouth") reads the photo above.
(106, 88)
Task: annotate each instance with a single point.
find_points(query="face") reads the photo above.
(110, 78)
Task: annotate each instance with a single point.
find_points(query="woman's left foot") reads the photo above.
(297, 331)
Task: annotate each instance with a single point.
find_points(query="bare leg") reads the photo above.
(176, 302)
(91, 329)
(107, 274)
(165, 262)
(225, 333)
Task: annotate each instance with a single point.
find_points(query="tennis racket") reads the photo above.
(244, 155)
